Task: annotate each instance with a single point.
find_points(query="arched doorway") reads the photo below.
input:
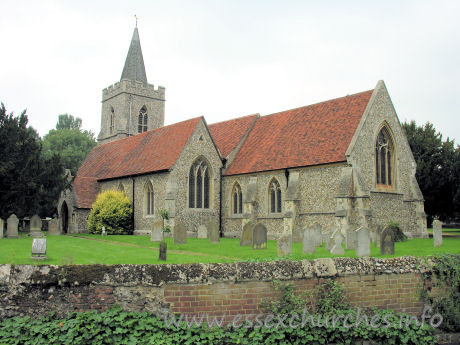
(65, 218)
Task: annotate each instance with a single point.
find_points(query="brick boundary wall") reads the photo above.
(216, 289)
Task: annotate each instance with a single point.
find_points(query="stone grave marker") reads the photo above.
(259, 237)
(36, 226)
(337, 248)
(53, 227)
(246, 235)
(437, 233)
(103, 232)
(12, 226)
(214, 235)
(387, 243)
(39, 249)
(308, 242)
(284, 245)
(1, 227)
(378, 233)
(157, 230)
(363, 246)
(326, 236)
(317, 235)
(350, 238)
(202, 232)
(180, 234)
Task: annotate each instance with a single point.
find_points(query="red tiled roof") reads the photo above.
(311, 135)
(154, 150)
(227, 134)
(86, 190)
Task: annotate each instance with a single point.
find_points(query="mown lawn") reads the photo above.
(95, 249)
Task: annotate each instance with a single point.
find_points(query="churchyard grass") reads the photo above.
(124, 249)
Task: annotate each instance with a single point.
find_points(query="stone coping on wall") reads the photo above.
(157, 275)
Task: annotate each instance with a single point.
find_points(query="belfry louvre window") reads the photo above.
(237, 199)
(148, 199)
(384, 158)
(275, 196)
(142, 120)
(199, 185)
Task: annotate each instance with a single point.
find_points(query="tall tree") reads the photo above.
(67, 121)
(437, 169)
(29, 182)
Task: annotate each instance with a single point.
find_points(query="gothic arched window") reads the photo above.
(274, 196)
(148, 199)
(384, 158)
(237, 199)
(112, 120)
(199, 185)
(142, 120)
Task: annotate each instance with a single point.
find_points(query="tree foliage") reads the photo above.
(29, 181)
(113, 210)
(438, 169)
(69, 141)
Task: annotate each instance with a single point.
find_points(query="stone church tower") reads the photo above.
(132, 105)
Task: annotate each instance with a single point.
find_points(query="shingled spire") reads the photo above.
(134, 65)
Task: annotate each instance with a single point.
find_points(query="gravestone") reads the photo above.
(39, 249)
(214, 235)
(53, 227)
(1, 227)
(317, 235)
(180, 234)
(308, 242)
(387, 243)
(157, 231)
(162, 251)
(363, 246)
(103, 232)
(437, 233)
(202, 232)
(378, 234)
(351, 238)
(259, 237)
(36, 226)
(337, 248)
(326, 235)
(12, 226)
(246, 236)
(330, 240)
(284, 245)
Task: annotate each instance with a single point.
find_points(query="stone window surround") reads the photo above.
(210, 189)
(239, 202)
(142, 121)
(278, 199)
(149, 210)
(385, 188)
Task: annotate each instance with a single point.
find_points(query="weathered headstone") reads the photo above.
(157, 230)
(437, 233)
(317, 235)
(378, 234)
(39, 249)
(259, 237)
(350, 238)
(162, 251)
(53, 227)
(12, 226)
(246, 236)
(363, 247)
(202, 232)
(214, 235)
(103, 232)
(308, 242)
(180, 234)
(284, 244)
(337, 248)
(330, 240)
(1, 227)
(387, 243)
(36, 226)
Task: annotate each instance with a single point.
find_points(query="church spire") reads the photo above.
(134, 65)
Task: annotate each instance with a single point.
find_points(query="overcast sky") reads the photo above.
(224, 59)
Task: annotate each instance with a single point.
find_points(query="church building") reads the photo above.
(342, 163)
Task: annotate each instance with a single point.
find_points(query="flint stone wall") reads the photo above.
(234, 288)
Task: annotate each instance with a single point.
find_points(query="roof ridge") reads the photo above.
(310, 105)
(236, 118)
(150, 131)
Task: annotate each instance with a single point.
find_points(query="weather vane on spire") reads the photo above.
(136, 20)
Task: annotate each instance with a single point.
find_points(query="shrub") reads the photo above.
(113, 210)
(398, 234)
